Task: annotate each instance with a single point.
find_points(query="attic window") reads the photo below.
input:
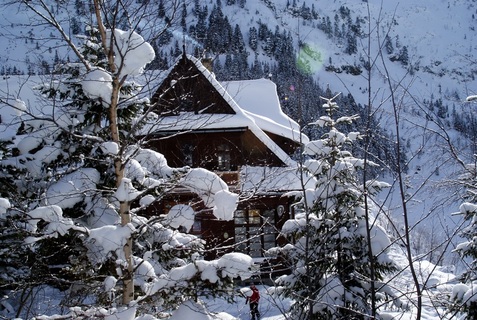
(223, 157)
(186, 103)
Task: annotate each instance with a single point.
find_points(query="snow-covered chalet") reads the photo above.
(236, 129)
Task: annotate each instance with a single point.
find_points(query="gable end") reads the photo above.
(187, 89)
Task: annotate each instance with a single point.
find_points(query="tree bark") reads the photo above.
(124, 206)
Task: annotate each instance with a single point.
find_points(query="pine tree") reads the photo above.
(314, 14)
(263, 31)
(351, 43)
(284, 54)
(326, 27)
(161, 11)
(388, 45)
(240, 53)
(404, 56)
(228, 65)
(328, 254)
(464, 293)
(305, 12)
(218, 32)
(464, 298)
(197, 9)
(80, 8)
(253, 38)
(238, 44)
(337, 33)
(184, 17)
(256, 70)
(201, 26)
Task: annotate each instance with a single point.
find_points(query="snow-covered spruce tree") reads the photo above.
(464, 294)
(76, 168)
(330, 268)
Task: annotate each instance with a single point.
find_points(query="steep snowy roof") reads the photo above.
(257, 122)
(274, 179)
(259, 99)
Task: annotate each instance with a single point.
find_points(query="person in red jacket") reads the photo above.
(254, 299)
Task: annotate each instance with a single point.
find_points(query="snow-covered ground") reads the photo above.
(439, 283)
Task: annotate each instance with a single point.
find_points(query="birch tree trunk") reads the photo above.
(124, 206)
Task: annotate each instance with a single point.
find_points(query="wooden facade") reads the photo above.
(177, 93)
(216, 150)
(224, 150)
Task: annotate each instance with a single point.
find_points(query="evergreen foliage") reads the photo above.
(328, 254)
(214, 33)
(52, 238)
(253, 38)
(161, 12)
(219, 32)
(201, 26)
(404, 56)
(388, 45)
(463, 296)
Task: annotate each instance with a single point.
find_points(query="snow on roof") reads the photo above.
(259, 99)
(274, 179)
(256, 121)
(239, 111)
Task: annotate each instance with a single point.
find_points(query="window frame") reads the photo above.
(250, 229)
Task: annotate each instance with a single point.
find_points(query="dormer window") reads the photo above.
(223, 157)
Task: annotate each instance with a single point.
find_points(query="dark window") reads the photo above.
(223, 157)
(188, 153)
(255, 231)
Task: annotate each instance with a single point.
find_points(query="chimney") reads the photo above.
(207, 61)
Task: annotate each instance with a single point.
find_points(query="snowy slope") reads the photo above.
(440, 39)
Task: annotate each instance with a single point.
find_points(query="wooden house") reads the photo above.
(238, 130)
